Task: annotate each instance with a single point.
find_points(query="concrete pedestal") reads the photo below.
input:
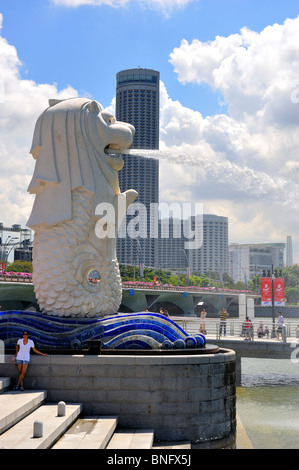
(181, 397)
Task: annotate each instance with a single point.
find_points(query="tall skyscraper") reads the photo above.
(137, 102)
(142, 174)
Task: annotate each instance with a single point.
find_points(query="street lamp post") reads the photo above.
(5, 252)
(273, 306)
(272, 274)
(140, 258)
(220, 271)
(187, 266)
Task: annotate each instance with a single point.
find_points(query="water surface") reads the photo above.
(268, 402)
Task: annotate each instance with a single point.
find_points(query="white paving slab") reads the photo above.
(4, 383)
(20, 436)
(15, 405)
(132, 439)
(88, 433)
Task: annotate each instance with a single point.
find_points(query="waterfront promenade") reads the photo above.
(235, 329)
(264, 348)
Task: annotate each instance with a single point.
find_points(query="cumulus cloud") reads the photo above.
(251, 67)
(257, 75)
(245, 164)
(21, 102)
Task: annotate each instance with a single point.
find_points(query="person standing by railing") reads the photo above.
(280, 322)
(223, 317)
(202, 324)
(248, 329)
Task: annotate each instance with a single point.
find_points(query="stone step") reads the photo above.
(4, 384)
(15, 405)
(21, 435)
(132, 439)
(88, 433)
(172, 445)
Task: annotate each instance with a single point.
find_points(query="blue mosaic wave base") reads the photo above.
(128, 331)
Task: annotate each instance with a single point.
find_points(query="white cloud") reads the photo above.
(245, 165)
(251, 67)
(166, 7)
(20, 105)
(257, 74)
(78, 3)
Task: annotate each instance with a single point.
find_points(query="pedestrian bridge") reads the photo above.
(16, 294)
(182, 300)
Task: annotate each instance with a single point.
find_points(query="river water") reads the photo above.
(268, 401)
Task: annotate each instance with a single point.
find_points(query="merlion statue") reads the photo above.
(77, 147)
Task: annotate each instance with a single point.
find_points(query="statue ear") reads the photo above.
(93, 107)
(35, 151)
(54, 101)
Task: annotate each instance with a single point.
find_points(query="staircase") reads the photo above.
(27, 421)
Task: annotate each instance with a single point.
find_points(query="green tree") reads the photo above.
(255, 283)
(291, 276)
(291, 281)
(20, 267)
(292, 295)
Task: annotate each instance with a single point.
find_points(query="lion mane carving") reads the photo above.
(77, 146)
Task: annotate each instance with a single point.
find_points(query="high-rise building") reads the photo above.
(212, 256)
(142, 174)
(289, 253)
(170, 253)
(137, 102)
(248, 260)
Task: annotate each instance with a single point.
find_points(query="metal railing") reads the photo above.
(235, 329)
(15, 278)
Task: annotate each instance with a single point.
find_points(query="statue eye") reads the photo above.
(108, 118)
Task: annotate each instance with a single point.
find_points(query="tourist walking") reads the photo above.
(223, 317)
(22, 357)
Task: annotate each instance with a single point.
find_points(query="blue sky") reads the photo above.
(229, 74)
(86, 46)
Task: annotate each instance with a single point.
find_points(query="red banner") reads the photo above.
(266, 291)
(279, 291)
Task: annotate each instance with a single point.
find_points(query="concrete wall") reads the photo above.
(258, 349)
(187, 397)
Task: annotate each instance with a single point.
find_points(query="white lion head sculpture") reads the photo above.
(71, 145)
